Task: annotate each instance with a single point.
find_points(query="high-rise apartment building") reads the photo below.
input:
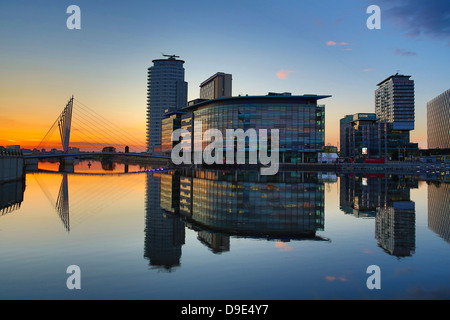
(216, 86)
(438, 121)
(166, 90)
(394, 102)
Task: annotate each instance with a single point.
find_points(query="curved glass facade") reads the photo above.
(438, 121)
(245, 203)
(300, 121)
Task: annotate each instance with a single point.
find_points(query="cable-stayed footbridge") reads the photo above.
(95, 137)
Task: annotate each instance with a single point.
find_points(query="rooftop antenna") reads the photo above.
(170, 56)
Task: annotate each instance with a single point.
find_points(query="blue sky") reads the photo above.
(320, 47)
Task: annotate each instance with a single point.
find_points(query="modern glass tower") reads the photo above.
(166, 90)
(438, 121)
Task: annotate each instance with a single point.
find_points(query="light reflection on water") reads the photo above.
(222, 235)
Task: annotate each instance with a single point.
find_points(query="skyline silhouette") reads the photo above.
(268, 47)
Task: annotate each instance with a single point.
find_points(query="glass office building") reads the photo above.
(363, 136)
(359, 136)
(438, 121)
(170, 123)
(299, 119)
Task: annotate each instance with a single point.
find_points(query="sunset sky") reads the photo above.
(303, 47)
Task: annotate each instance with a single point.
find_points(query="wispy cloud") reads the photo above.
(418, 18)
(334, 278)
(404, 53)
(283, 74)
(318, 22)
(367, 70)
(334, 43)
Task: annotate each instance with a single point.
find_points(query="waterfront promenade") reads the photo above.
(391, 167)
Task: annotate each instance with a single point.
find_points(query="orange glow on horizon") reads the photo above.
(29, 130)
(29, 137)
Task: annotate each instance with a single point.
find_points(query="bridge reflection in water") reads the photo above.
(219, 205)
(87, 199)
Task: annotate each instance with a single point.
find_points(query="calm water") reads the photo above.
(219, 235)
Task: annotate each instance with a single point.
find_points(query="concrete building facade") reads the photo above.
(216, 86)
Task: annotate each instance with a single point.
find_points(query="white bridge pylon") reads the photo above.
(64, 124)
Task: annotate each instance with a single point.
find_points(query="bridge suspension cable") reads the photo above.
(90, 129)
(109, 124)
(94, 131)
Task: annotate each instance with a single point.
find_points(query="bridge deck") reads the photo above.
(90, 154)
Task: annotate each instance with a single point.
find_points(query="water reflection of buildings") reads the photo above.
(387, 199)
(164, 233)
(218, 204)
(11, 196)
(439, 209)
(108, 164)
(359, 195)
(395, 228)
(288, 206)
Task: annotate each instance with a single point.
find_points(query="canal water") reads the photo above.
(148, 233)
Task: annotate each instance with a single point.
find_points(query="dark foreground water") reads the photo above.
(220, 235)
